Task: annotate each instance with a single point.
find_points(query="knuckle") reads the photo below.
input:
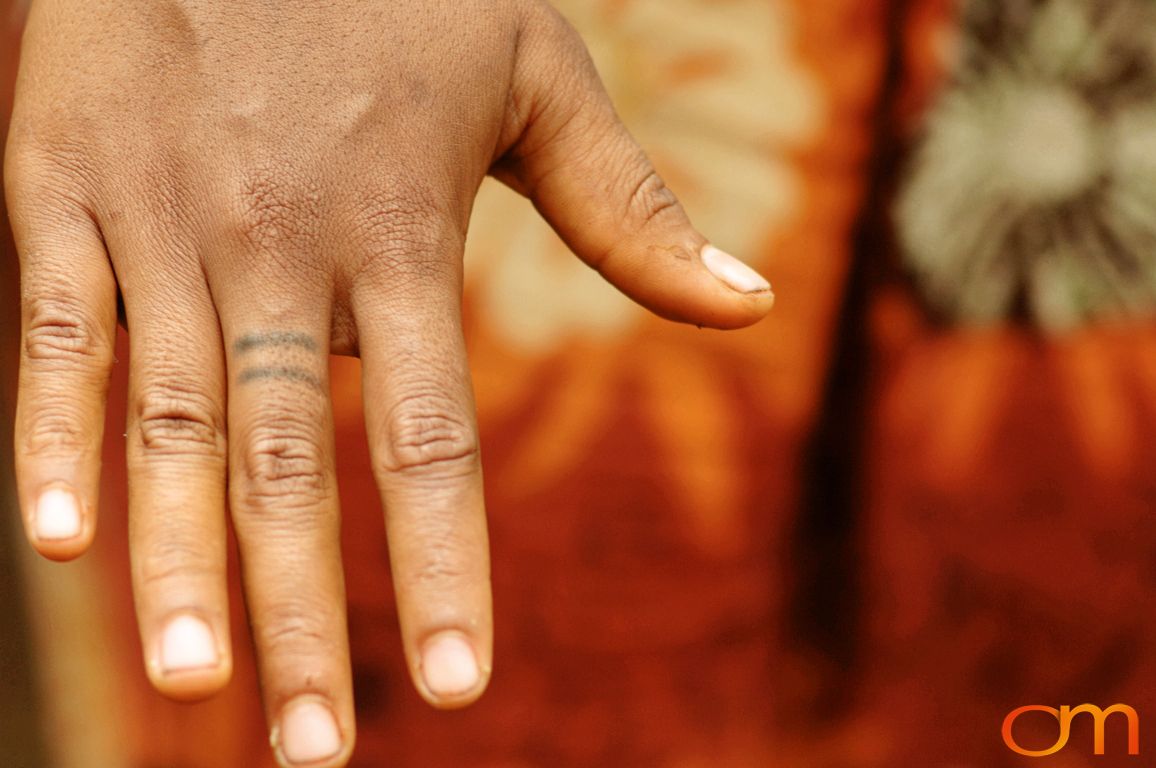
(442, 565)
(294, 628)
(170, 201)
(407, 213)
(176, 420)
(40, 169)
(59, 332)
(650, 198)
(175, 558)
(429, 434)
(54, 429)
(284, 462)
(20, 164)
(404, 236)
(564, 43)
(273, 209)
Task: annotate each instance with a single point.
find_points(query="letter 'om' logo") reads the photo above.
(1064, 716)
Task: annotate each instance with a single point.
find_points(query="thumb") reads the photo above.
(587, 176)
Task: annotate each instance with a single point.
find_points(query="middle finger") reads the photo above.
(176, 452)
(284, 503)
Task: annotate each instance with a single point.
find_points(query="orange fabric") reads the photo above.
(1011, 540)
(1007, 524)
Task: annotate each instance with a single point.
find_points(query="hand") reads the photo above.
(266, 183)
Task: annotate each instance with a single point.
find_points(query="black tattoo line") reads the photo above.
(281, 373)
(251, 341)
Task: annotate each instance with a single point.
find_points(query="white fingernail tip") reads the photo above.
(57, 516)
(187, 644)
(449, 666)
(308, 733)
(735, 274)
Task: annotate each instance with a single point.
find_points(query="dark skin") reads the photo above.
(265, 184)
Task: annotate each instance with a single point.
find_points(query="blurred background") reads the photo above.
(858, 535)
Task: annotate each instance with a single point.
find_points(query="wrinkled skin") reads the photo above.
(265, 183)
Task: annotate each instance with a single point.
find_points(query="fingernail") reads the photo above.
(733, 272)
(308, 732)
(57, 515)
(449, 666)
(188, 643)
